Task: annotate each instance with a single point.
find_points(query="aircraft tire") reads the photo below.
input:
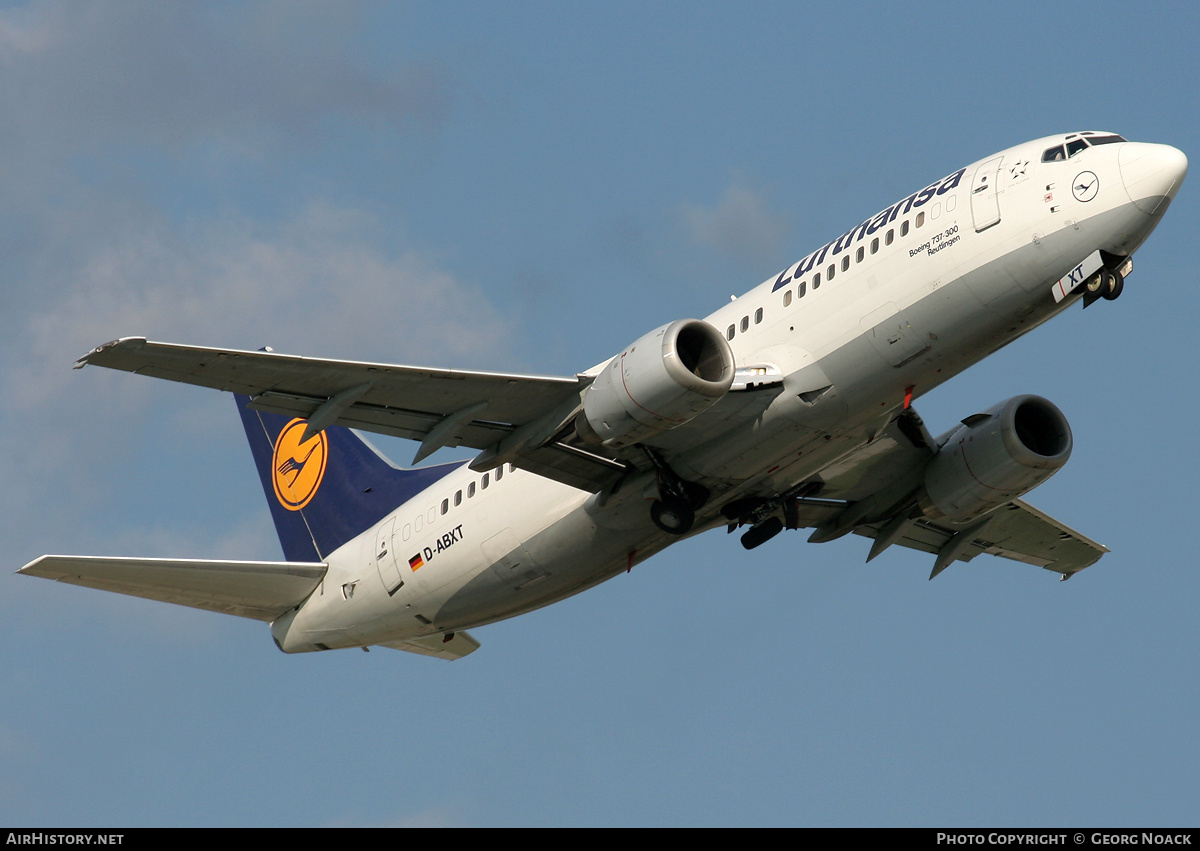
(1095, 284)
(1114, 283)
(674, 517)
(762, 533)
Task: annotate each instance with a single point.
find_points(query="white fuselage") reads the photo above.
(904, 300)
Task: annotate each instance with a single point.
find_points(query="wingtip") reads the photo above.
(111, 344)
(31, 568)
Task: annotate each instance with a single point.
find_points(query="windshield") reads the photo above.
(1077, 144)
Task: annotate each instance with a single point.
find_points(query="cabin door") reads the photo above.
(985, 202)
(385, 556)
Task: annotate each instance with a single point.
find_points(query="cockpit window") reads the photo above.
(1075, 144)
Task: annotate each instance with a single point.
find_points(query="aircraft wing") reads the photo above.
(882, 477)
(262, 590)
(439, 407)
(1016, 531)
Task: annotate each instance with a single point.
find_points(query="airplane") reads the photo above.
(790, 407)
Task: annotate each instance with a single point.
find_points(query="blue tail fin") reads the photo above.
(328, 489)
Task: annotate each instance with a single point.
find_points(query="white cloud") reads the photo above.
(740, 224)
(120, 98)
(182, 70)
(319, 284)
(323, 283)
(126, 130)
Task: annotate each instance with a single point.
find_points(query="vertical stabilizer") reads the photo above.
(325, 490)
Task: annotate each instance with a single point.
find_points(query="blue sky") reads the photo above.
(530, 187)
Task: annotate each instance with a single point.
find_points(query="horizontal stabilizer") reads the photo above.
(453, 646)
(262, 590)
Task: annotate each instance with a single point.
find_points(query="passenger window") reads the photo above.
(500, 472)
(846, 261)
(457, 498)
(891, 234)
(445, 505)
(407, 531)
(787, 298)
(858, 255)
(816, 280)
(432, 515)
(904, 228)
(419, 522)
(758, 314)
(829, 272)
(729, 332)
(745, 323)
(874, 245)
(486, 479)
(800, 290)
(470, 490)
(920, 218)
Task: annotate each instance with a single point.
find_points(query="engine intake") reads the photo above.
(662, 381)
(994, 457)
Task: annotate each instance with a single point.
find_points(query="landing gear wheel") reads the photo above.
(762, 533)
(1094, 286)
(675, 510)
(1114, 283)
(673, 517)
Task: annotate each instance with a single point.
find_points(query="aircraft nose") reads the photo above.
(1151, 174)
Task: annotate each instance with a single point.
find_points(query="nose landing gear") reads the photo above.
(1106, 283)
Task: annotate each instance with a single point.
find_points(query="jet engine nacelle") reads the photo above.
(994, 457)
(661, 381)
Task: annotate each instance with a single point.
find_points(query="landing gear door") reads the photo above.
(985, 203)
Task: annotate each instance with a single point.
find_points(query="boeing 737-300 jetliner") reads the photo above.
(790, 407)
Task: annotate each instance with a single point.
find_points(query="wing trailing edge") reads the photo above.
(438, 407)
(1016, 531)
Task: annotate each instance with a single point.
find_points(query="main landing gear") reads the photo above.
(675, 510)
(763, 515)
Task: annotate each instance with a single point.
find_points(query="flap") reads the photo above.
(1016, 531)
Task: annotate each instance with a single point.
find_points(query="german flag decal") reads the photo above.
(416, 561)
